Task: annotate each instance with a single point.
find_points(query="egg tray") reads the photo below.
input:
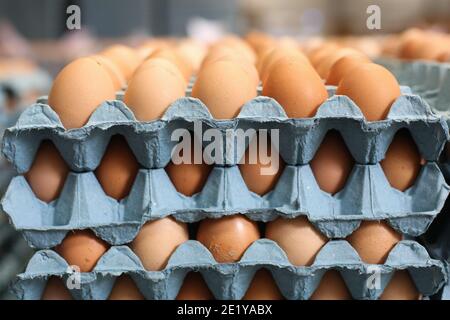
(430, 80)
(151, 142)
(83, 204)
(21, 84)
(231, 280)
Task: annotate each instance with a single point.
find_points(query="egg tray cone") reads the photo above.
(83, 204)
(21, 84)
(151, 142)
(231, 280)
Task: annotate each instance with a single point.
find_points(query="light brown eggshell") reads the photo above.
(78, 90)
(402, 162)
(324, 67)
(151, 91)
(224, 86)
(56, 290)
(332, 163)
(125, 58)
(372, 87)
(258, 181)
(331, 287)
(82, 248)
(296, 86)
(174, 57)
(299, 239)
(194, 288)
(114, 72)
(342, 66)
(228, 237)
(263, 287)
(118, 169)
(157, 240)
(48, 172)
(373, 241)
(401, 287)
(125, 289)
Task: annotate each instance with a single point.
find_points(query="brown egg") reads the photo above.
(163, 63)
(296, 86)
(114, 72)
(193, 52)
(151, 90)
(444, 57)
(82, 248)
(118, 169)
(343, 66)
(401, 287)
(372, 87)
(318, 54)
(174, 57)
(224, 86)
(125, 289)
(244, 49)
(56, 290)
(263, 287)
(48, 172)
(402, 162)
(299, 239)
(271, 58)
(228, 237)
(332, 163)
(324, 66)
(194, 288)
(74, 96)
(373, 241)
(261, 178)
(188, 178)
(125, 58)
(331, 287)
(410, 41)
(157, 240)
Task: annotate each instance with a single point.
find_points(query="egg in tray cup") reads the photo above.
(238, 229)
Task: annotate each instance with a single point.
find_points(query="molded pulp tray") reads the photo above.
(231, 280)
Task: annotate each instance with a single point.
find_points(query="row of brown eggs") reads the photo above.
(227, 238)
(417, 44)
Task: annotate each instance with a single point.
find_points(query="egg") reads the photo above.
(82, 248)
(48, 172)
(331, 287)
(114, 72)
(244, 49)
(118, 168)
(125, 289)
(342, 66)
(193, 52)
(188, 178)
(56, 290)
(272, 57)
(174, 57)
(228, 237)
(324, 66)
(372, 87)
(332, 163)
(125, 58)
(157, 240)
(400, 287)
(298, 238)
(373, 241)
(296, 86)
(78, 90)
(319, 53)
(263, 287)
(260, 177)
(151, 90)
(402, 161)
(224, 86)
(194, 288)
(166, 64)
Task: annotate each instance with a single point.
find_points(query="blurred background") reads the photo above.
(37, 30)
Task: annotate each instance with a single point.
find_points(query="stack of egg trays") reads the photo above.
(431, 80)
(366, 196)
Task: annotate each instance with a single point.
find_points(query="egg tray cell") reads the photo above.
(83, 204)
(21, 84)
(151, 142)
(231, 280)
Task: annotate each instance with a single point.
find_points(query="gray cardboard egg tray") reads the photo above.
(83, 204)
(21, 84)
(231, 280)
